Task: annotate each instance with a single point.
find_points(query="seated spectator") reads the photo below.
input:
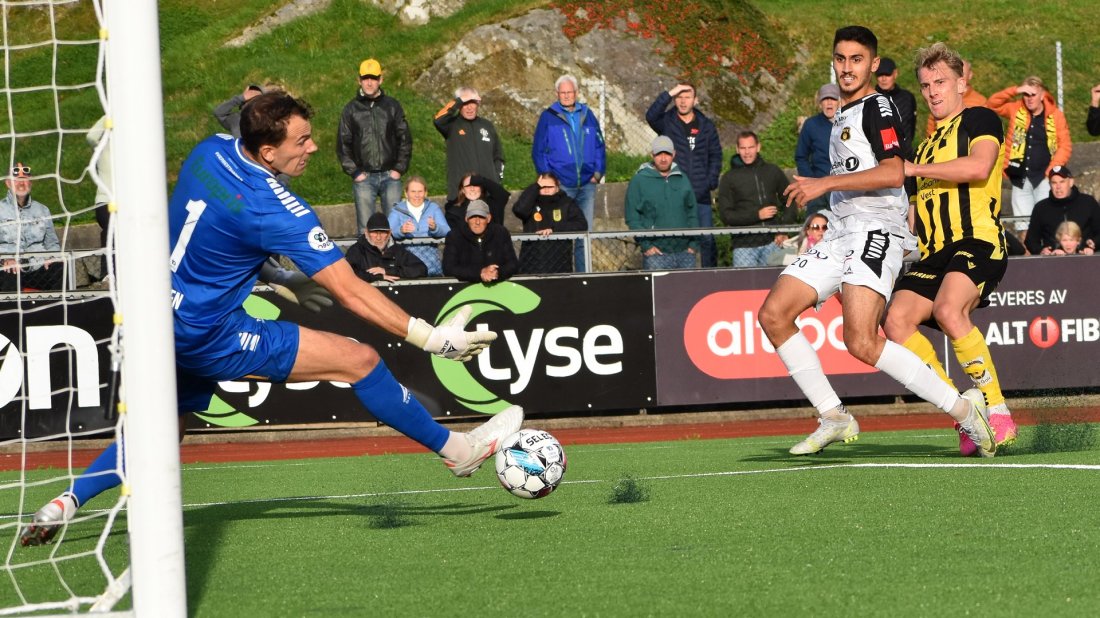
(26, 227)
(418, 217)
(752, 195)
(1065, 203)
(660, 196)
(544, 209)
(480, 250)
(812, 232)
(375, 257)
(1069, 240)
(476, 187)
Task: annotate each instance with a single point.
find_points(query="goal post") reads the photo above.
(82, 132)
(147, 389)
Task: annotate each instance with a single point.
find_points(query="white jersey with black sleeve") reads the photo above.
(865, 132)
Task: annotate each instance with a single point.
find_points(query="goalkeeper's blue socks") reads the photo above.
(393, 404)
(90, 484)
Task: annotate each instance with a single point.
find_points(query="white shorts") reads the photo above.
(871, 259)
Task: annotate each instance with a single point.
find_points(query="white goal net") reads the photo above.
(85, 324)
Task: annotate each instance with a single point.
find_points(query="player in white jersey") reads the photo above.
(860, 256)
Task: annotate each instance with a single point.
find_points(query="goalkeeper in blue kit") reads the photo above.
(227, 216)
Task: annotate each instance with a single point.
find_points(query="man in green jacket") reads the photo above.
(660, 197)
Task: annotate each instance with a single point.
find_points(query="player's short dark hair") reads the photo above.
(264, 119)
(747, 134)
(857, 34)
(550, 176)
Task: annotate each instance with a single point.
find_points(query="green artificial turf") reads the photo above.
(692, 527)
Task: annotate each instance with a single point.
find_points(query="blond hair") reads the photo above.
(1032, 80)
(937, 52)
(1068, 228)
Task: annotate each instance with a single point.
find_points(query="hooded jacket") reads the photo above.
(373, 136)
(1048, 214)
(570, 144)
(655, 202)
(1019, 120)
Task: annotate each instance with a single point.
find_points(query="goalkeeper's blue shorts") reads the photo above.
(264, 350)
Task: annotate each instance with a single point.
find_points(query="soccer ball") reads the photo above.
(531, 463)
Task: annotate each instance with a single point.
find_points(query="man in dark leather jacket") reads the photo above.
(374, 144)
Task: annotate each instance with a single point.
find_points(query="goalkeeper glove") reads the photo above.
(450, 339)
(296, 287)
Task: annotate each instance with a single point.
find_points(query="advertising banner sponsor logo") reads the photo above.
(566, 344)
(724, 340)
(54, 367)
(1043, 324)
(711, 349)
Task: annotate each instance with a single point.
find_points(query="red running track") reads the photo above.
(379, 445)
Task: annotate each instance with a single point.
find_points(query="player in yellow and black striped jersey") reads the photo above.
(955, 211)
(947, 212)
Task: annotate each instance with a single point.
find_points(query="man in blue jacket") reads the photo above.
(811, 155)
(569, 142)
(698, 151)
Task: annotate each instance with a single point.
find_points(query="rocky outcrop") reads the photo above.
(417, 12)
(514, 65)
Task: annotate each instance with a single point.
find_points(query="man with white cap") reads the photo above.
(472, 142)
(660, 196)
(811, 155)
(374, 144)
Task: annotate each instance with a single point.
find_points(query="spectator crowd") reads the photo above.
(685, 185)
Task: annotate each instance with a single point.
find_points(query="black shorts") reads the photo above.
(970, 256)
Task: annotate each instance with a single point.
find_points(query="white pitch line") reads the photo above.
(411, 492)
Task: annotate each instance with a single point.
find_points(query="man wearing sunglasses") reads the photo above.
(1036, 139)
(26, 226)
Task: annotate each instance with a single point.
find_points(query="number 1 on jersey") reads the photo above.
(195, 209)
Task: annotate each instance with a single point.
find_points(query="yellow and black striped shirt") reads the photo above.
(947, 212)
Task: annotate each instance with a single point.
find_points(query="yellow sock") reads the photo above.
(973, 355)
(920, 345)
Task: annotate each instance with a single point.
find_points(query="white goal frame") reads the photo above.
(147, 392)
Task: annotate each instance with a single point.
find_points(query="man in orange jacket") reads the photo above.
(1031, 148)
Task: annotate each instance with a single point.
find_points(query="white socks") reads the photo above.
(899, 363)
(805, 367)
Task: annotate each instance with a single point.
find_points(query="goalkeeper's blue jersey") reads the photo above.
(227, 215)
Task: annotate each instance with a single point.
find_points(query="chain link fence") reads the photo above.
(606, 252)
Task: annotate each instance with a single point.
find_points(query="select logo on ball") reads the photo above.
(1044, 332)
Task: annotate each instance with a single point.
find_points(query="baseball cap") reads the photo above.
(1060, 170)
(477, 208)
(662, 143)
(886, 66)
(378, 223)
(828, 91)
(370, 67)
